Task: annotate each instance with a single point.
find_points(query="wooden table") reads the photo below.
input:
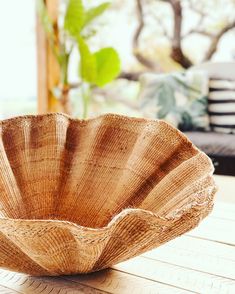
(202, 261)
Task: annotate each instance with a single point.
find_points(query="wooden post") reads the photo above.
(48, 68)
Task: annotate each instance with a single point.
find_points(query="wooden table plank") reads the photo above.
(6, 290)
(107, 281)
(226, 186)
(223, 210)
(203, 246)
(197, 258)
(19, 283)
(215, 229)
(117, 282)
(177, 276)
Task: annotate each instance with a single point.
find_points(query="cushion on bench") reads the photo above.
(219, 147)
(213, 143)
(177, 97)
(221, 105)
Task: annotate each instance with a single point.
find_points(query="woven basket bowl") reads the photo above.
(78, 196)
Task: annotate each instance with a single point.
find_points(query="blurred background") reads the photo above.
(207, 33)
(167, 59)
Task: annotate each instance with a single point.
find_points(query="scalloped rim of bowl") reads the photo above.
(136, 211)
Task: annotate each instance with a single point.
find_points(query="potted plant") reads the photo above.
(95, 69)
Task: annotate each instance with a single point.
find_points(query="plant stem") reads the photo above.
(65, 84)
(64, 69)
(86, 95)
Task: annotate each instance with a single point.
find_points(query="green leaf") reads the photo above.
(94, 12)
(88, 69)
(166, 100)
(74, 17)
(199, 106)
(186, 123)
(107, 65)
(45, 19)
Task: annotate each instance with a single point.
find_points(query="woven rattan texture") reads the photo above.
(80, 195)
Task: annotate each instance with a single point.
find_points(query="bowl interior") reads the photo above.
(53, 167)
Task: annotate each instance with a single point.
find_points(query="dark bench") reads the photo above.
(219, 147)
